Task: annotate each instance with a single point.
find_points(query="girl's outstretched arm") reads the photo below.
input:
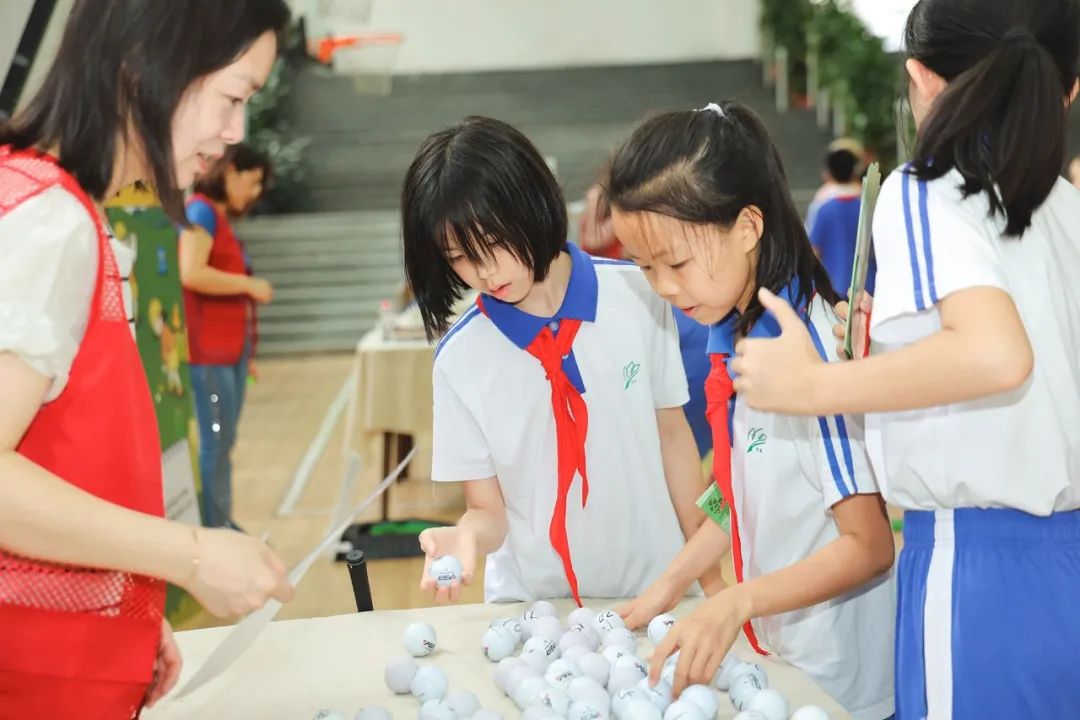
(981, 349)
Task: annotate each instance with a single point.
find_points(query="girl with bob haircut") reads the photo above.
(558, 396)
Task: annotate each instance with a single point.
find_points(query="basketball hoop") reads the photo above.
(368, 58)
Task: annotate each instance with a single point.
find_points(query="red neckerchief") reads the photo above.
(571, 427)
(718, 393)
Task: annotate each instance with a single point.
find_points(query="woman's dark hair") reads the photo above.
(704, 168)
(1002, 120)
(122, 60)
(240, 158)
(484, 185)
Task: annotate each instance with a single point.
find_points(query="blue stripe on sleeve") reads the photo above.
(826, 433)
(462, 322)
(916, 274)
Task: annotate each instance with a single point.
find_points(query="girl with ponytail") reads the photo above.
(972, 391)
(700, 201)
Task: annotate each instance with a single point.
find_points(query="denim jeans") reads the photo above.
(219, 397)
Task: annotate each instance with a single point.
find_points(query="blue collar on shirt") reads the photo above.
(579, 304)
(722, 335)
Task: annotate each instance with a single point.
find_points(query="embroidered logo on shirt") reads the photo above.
(756, 438)
(630, 373)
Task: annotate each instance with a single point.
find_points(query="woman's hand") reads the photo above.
(166, 668)
(236, 573)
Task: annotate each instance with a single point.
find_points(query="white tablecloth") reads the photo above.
(393, 387)
(297, 667)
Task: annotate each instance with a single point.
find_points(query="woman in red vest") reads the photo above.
(219, 296)
(140, 91)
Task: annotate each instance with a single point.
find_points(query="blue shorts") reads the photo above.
(988, 616)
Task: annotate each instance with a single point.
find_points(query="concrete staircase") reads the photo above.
(329, 272)
(362, 145)
(332, 264)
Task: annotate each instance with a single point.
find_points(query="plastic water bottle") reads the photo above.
(387, 316)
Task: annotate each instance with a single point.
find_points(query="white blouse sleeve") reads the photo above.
(48, 266)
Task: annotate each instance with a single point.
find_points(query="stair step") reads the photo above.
(351, 326)
(284, 312)
(356, 218)
(347, 258)
(305, 345)
(317, 239)
(300, 234)
(334, 276)
(352, 292)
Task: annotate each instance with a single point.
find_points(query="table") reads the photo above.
(297, 667)
(392, 398)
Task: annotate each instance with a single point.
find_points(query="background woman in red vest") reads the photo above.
(219, 296)
(140, 91)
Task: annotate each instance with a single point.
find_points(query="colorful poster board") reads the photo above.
(139, 221)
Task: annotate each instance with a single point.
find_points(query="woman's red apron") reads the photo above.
(78, 641)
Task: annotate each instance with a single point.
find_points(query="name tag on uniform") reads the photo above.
(712, 502)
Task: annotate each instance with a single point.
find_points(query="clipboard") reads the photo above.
(870, 190)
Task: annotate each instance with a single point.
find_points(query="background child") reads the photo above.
(834, 228)
(833, 181)
(975, 382)
(701, 202)
(558, 398)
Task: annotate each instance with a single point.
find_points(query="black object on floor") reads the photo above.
(361, 584)
(386, 540)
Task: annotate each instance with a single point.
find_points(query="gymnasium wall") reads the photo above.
(479, 35)
(47, 49)
(13, 16)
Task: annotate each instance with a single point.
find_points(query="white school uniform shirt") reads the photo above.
(48, 267)
(493, 417)
(1014, 450)
(787, 472)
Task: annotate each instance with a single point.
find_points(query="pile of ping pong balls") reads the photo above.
(586, 668)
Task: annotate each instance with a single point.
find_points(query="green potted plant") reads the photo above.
(852, 64)
(270, 131)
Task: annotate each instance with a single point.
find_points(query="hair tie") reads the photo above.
(713, 107)
(1019, 36)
